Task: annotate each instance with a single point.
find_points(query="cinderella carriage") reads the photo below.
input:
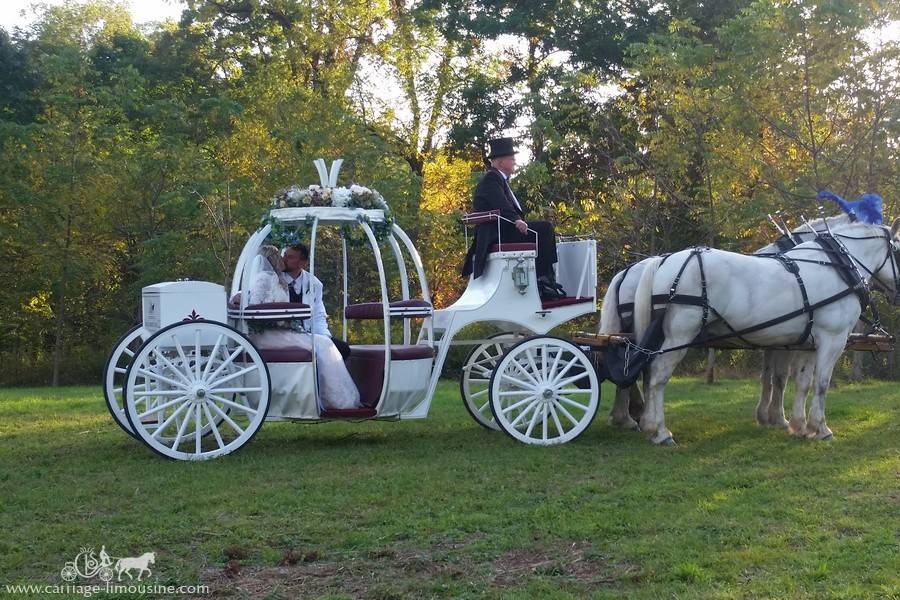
(190, 384)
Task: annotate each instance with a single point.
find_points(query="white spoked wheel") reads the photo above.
(535, 393)
(114, 374)
(194, 378)
(475, 380)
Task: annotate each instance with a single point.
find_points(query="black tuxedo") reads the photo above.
(493, 193)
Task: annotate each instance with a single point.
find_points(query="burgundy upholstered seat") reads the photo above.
(291, 354)
(366, 366)
(276, 306)
(511, 247)
(374, 310)
(545, 304)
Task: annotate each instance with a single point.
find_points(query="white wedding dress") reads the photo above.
(336, 387)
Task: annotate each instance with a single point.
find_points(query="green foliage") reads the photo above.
(133, 156)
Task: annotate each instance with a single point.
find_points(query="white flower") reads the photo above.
(358, 189)
(340, 197)
(295, 193)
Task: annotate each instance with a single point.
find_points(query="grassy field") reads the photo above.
(444, 508)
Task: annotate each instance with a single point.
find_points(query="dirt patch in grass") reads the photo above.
(573, 561)
(403, 571)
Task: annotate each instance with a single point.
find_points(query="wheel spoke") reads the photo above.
(159, 393)
(571, 379)
(512, 407)
(238, 390)
(523, 370)
(482, 370)
(565, 413)
(559, 427)
(181, 354)
(119, 370)
(197, 353)
(171, 418)
(531, 363)
(522, 414)
(515, 392)
(552, 374)
(154, 376)
(544, 363)
(236, 405)
(225, 363)
(159, 355)
(565, 370)
(160, 407)
(517, 382)
(212, 356)
(571, 402)
(484, 406)
(227, 419)
(180, 433)
(212, 424)
(481, 393)
(234, 375)
(128, 352)
(533, 421)
(198, 428)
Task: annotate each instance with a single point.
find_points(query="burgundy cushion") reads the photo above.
(347, 413)
(512, 247)
(276, 306)
(286, 355)
(398, 352)
(545, 304)
(374, 310)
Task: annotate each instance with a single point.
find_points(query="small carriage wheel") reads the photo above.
(535, 396)
(114, 374)
(185, 378)
(106, 574)
(475, 379)
(69, 573)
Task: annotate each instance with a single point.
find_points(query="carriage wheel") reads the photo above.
(69, 573)
(196, 376)
(475, 380)
(535, 392)
(114, 374)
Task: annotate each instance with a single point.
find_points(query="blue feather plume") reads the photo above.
(867, 208)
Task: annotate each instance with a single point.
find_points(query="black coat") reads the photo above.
(491, 193)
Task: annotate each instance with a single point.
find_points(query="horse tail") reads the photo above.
(643, 297)
(609, 310)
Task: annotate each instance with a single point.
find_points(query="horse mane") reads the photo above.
(819, 224)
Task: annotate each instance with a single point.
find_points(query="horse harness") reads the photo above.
(840, 260)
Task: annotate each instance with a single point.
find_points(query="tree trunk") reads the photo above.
(857, 372)
(711, 366)
(61, 304)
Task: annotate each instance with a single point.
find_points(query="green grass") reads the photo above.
(444, 508)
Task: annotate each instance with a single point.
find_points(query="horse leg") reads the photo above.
(781, 369)
(765, 396)
(635, 403)
(619, 414)
(826, 357)
(803, 376)
(654, 419)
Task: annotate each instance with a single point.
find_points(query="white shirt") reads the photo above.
(310, 290)
(516, 200)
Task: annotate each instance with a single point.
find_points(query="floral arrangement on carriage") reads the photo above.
(349, 196)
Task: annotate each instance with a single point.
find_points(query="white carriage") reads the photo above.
(190, 384)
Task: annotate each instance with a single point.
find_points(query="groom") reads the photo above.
(307, 289)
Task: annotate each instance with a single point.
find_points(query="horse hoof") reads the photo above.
(636, 428)
(669, 441)
(828, 437)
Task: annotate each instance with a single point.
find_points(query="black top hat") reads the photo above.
(501, 147)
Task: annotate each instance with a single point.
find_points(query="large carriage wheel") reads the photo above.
(535, 393)
(114, 374)
(475, 380)
(184, 380)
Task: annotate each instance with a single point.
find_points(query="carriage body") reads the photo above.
(190, 383)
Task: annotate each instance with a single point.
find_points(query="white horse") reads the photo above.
(616, 316)
(124, 565)
(745, 292)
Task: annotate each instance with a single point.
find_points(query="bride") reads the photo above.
(336, 388)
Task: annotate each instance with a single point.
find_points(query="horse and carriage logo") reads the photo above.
(87, 565)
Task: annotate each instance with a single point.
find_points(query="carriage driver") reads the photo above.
(493, 193)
